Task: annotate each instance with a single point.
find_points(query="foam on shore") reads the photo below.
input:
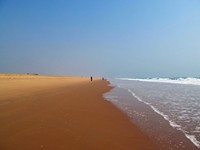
(191, 81)
(192, 138)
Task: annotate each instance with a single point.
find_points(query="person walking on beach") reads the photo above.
(91, 78)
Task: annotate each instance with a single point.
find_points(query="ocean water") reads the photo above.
(176, 100)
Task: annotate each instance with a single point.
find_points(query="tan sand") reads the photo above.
(63, 113)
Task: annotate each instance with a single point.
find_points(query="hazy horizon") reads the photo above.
(115, 38)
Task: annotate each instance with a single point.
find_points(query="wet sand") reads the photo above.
(46, 112)
(151, 123)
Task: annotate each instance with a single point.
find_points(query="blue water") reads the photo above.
(179, 104)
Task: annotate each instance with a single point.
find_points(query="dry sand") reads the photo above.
(63, 113)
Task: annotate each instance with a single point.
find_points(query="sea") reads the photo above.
(167, 109)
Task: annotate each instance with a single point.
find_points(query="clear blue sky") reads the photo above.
(112, 38)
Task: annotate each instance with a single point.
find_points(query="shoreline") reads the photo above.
(150, 122)
(64, 113)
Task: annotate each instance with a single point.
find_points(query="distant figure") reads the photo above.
(91, 78)
(103, 78)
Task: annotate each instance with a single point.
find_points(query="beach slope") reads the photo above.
(63, 113)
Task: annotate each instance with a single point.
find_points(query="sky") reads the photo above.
(110, 38)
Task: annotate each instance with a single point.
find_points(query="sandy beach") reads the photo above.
(49, 112)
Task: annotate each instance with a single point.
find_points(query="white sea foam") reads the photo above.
(192, 138)
(192, 81)
(173, 124)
